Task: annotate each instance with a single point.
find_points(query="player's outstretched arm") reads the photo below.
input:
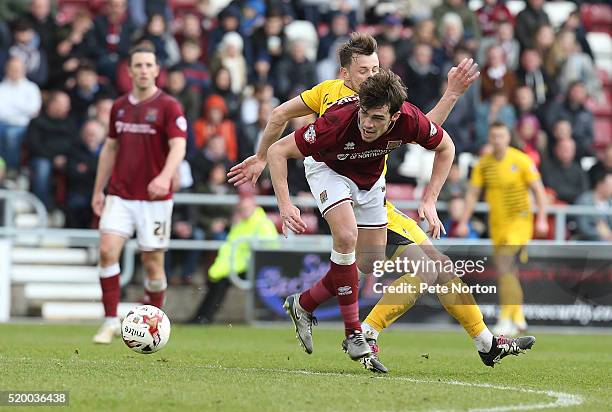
(278, 154)
(460, 78)
(162, 183)
(106, 163)
(250, 169)
(445, 153)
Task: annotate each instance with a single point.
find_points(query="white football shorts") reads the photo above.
(331, 189)
(150, 219)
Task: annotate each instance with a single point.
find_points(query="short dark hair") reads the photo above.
(598, 176)
(141, 48)
(359, 44)
(498, 124)
(385, 88)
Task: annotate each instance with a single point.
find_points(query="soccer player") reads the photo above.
(345, 152)
(145, 145)
(507, 174)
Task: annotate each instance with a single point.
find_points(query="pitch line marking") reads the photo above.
(562, 399)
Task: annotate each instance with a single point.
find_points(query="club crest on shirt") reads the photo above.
(349, 146)
(393, 144)
(151, 115)
(323, 196)
(310, 135)
(514, 168)
(120, 112)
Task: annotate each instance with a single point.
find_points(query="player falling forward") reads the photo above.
(346, 151)
(146, 143)
(507, 174)
(405, 239)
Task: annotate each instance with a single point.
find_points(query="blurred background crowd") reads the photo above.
(545, 72)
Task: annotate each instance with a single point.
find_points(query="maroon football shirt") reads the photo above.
(143, 130)
(335, 139)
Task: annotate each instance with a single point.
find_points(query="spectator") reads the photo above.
(496, 76)
(543, 40)
(603, 165)
(387, 59)
(19, 102)
(497, 109)
(594, 227)
(392, 29)
(100, 111)
(157, 32)
(491, 15)
(230, 55)
(460, 122)
(532, 75)
(250, 221)
(530, 137)
(294, 72)
(202, 163)
(69, 48)
(192, 67)
(42, 20)
(451, 36)
(26, 46)
(88, 88)
(524, 103)
(563, 173)
(49, 138)
(189, 97)
(193, 30)
(574, 110)
(422, 79)
(251, 133)
(454, 186)
(576, 65)
(339, 32)
(229, 21)
(249, 110)
(214, 122)
(425, 32)
(110, 38)
(503, 37)
(574, 24)
(81, 166)
(528, 21)
(269, 41)
(222, 85)
(456, 209)
(468, 17)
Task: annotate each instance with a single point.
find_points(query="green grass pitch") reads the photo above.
(224, 368)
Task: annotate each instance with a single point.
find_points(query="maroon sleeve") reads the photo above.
(176, 124)
(315, 137)
(419, 129)
(112, 127)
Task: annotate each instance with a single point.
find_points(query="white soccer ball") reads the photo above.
(145, 329)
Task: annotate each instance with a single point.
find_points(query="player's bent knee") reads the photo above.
(345, 241)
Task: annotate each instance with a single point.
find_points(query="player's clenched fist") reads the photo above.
(159, 187)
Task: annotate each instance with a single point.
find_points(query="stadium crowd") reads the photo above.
(231, 63)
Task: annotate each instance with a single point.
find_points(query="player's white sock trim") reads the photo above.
(343, 258)
(109, 271)
(155, 285)
(111, 320)
(368, 331)
(483, 340)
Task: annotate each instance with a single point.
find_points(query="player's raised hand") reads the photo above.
(427, 211)
(248, 170)
(462, 76)
(292, 220)
(159, 187)
(97, 203)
